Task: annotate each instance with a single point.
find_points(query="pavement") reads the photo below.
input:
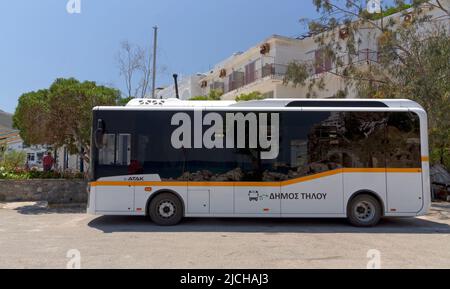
(32, 235)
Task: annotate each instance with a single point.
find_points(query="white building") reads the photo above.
(66, 162)
(188, 87)
(10, 140)
(262, 68)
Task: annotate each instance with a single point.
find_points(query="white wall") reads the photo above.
(188, 87)
(73, 162)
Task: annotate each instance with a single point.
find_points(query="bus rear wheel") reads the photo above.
(166, 209)
(364, 211)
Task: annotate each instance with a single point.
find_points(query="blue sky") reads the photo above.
(40, 41)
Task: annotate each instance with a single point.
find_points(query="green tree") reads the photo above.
(32, 116)
(213, 95)
(255, 95)
(62, 114)
(123, 101)
(217, 94)
(412, 60)
(297, 73)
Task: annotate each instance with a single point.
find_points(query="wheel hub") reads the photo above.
(166, 209)
(364, 211)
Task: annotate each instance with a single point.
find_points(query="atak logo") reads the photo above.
(136, 179)
(261, 133)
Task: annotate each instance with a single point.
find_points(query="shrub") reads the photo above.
(13, 160)
(213, 95)
(256, 95)
(21, 174)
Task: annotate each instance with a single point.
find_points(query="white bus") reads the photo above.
(288, 158)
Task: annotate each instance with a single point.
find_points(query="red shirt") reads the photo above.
(48, 161)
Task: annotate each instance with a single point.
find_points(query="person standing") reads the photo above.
(48, 162)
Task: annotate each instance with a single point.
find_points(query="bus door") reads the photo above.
(311, 154)
(404, 163)
(115, 154)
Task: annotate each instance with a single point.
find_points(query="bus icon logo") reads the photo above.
(253, 196)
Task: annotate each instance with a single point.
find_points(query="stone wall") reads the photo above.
(52, 191)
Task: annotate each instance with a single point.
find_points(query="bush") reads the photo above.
(256, 95)
(441, 157)
(10, 175)
(13, 160)
(200, 98)
(54, 175)
(12, 167)
(21, 174)
(213, 95)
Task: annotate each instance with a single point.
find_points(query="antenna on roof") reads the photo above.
(175, 79)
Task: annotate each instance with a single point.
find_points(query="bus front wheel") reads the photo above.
(364, 211)
(166, 209)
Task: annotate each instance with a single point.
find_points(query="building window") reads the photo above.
(368, 55)
(236, 80)
(323, 61)
(268, 70)
(218, 86)
(66, 158)
(31, 157)
(250, 75)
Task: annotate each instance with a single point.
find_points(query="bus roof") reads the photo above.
(269, 103)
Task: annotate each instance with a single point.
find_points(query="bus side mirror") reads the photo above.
(98, 134)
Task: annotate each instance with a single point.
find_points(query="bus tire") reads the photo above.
(364, 211)
(166, 209)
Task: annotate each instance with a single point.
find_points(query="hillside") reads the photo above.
(5, 119)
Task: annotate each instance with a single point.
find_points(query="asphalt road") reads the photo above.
(36, 237)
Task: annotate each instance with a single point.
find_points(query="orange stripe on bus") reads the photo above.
(257, 184)
(372, 170)
(405, 171)
(312, 177)
(383, 170)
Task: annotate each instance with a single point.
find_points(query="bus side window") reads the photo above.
(106, 154)
(124, 150)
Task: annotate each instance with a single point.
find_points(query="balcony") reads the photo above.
(246, 76)
(262, 69)
(368, 55)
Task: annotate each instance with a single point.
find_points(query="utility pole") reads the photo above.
(155, 40)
